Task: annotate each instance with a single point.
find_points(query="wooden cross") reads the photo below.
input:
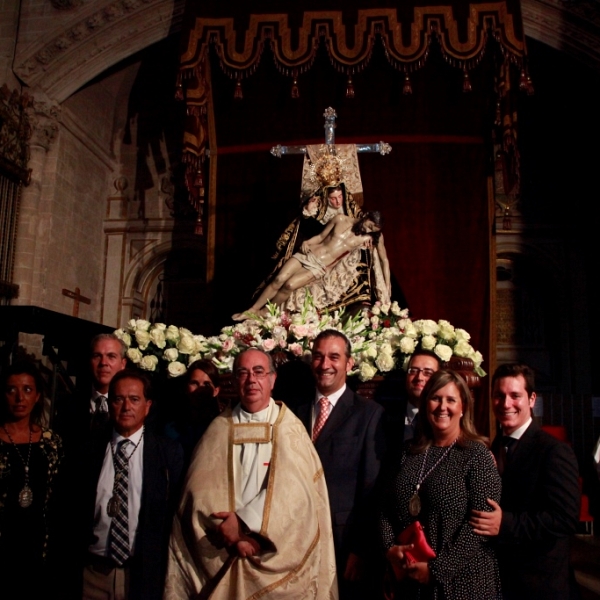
(77, 297)
(330, 117)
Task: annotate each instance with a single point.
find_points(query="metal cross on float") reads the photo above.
(330, 117)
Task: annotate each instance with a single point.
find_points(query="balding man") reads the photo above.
(254, 516)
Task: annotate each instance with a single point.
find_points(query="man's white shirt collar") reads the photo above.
(333, 398)
(517, 433)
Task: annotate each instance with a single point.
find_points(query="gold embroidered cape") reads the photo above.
(296, 520)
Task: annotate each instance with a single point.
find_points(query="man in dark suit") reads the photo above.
(539, 506)
(87, 410)
(133, 491)
(347, 431)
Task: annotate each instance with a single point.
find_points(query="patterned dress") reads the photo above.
(24, 532)
(465, 567)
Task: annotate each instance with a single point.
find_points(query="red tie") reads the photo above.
(324, 409)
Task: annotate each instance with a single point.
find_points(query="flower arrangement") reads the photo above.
(383, 338)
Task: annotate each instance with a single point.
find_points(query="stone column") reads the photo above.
(42, 115)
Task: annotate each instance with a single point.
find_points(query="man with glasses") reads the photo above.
(422, 365)
(254, 515)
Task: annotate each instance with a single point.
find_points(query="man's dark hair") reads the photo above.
(25, 367)
(423, 352)
(131, 374)
(514, 370)
(374, 216)
(208, 367)
(108, 336)
(334, 333)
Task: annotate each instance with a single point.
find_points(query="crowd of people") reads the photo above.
(346, 498)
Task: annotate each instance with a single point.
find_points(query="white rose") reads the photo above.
(428, 342)
(375, 322)
(134, 355)
(183, 331)
(142, 338)
(446, 330)
(194, 358)
(376, 310)
(366, 372)
(477, 358)
(123, 336)
(395, 308)
(131, 324)
(410, 330)
(158, 337)
(142, 324)
(149, 362)
(172, 334)
(279, 332)
(463, 348)
(370, 351)
(176, 369)
(385, 348)
(385, 362)
(461, 335)
(429, 327)
(407, 345)
(385, 308)
(187, 345)
(171, 354)
(444, 352)
(160, 326)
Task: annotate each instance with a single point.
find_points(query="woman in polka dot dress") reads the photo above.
(445, 472)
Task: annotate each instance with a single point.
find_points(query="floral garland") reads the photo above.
(382, 336)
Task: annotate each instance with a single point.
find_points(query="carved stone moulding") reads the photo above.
(15, 131)
(66, 4)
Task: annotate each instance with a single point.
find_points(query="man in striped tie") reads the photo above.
(135, 484)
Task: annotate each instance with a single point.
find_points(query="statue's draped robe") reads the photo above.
(295, 520)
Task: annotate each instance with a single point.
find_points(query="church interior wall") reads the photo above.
(109, 129)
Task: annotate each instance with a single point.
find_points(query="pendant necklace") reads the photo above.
(114, 505)
(25, 495)
(414, 504)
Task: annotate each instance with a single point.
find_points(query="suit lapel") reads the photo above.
(341, 411)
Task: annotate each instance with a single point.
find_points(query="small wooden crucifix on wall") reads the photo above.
(77, 297)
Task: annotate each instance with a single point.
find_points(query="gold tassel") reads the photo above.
(238, 94)
(350, 88)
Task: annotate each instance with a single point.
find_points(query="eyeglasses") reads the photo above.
(427, 373)
(258, 372)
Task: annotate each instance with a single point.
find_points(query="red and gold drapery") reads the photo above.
(463, 31)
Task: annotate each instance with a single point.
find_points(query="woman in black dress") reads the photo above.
(445, 472)
(30, 457)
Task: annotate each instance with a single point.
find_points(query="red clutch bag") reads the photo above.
(421, 552)
(414, 534)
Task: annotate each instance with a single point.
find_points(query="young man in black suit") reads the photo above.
(347, 431)
(539, 507)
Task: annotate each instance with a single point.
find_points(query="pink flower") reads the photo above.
(268, 345)
(295, 349)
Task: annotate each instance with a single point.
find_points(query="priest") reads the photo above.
(254, 516)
